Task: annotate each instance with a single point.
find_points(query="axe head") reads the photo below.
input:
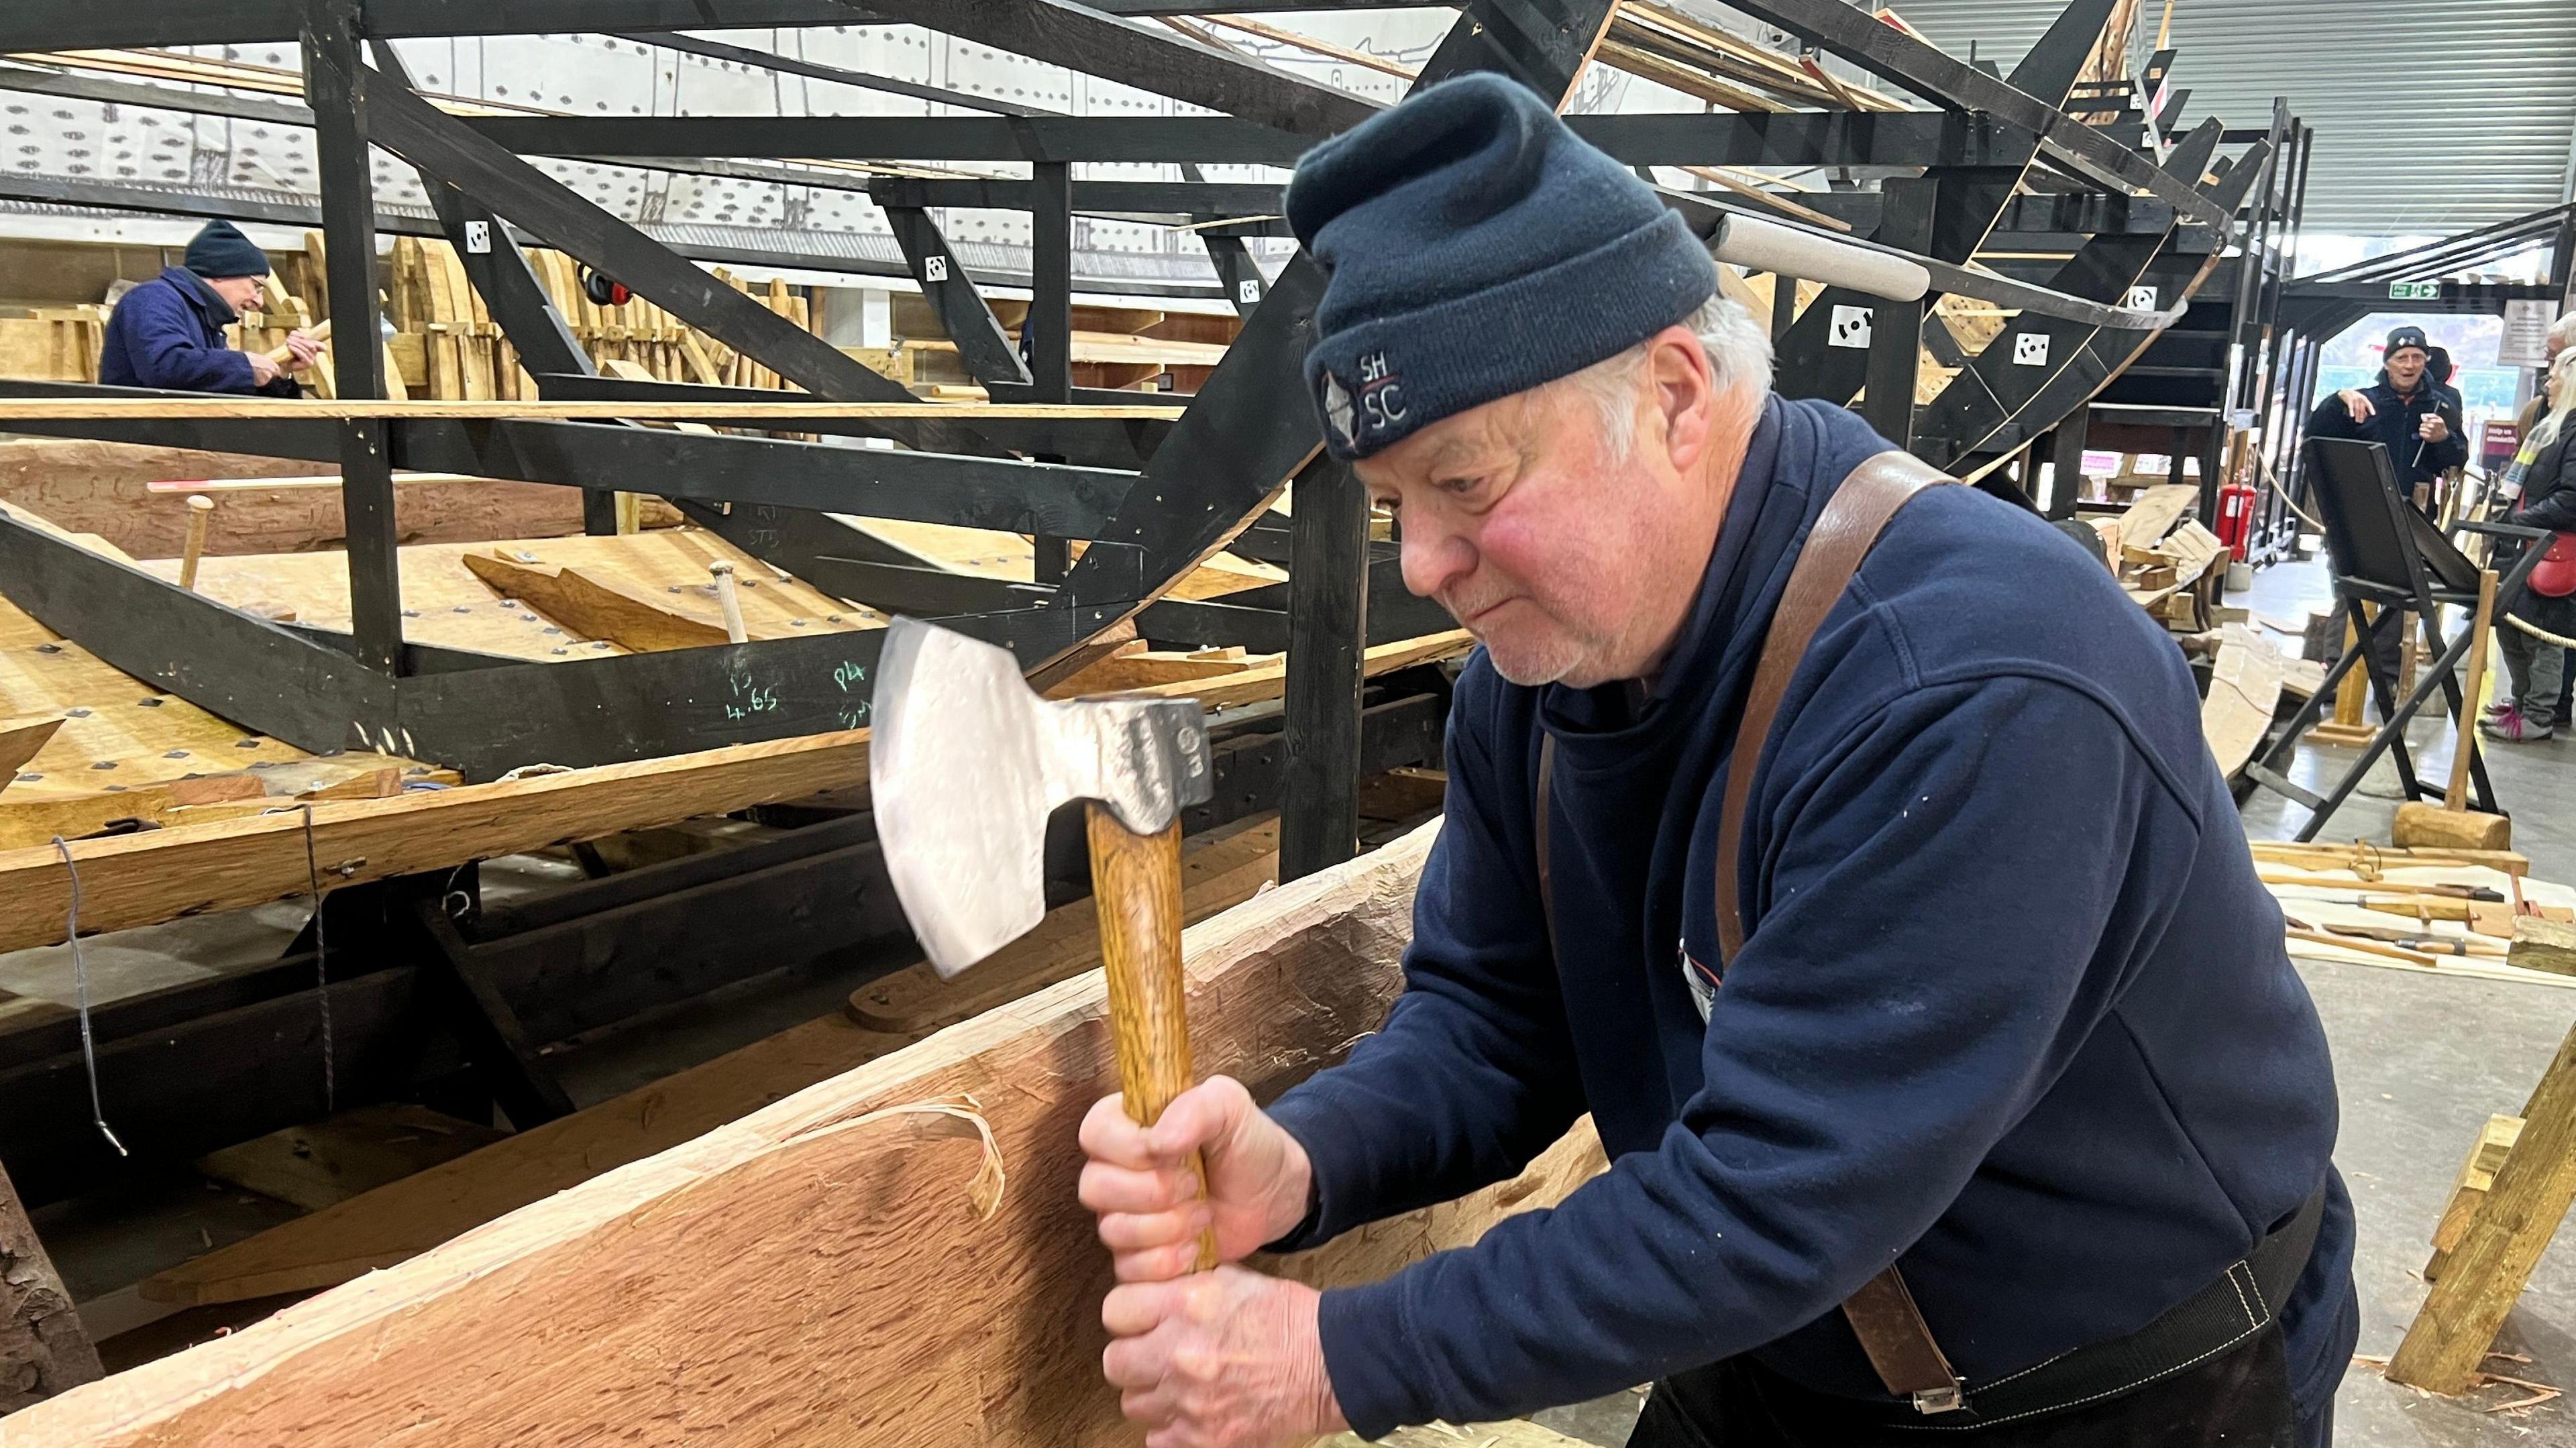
(965, 763)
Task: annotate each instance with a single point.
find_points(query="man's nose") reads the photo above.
(1434, 558)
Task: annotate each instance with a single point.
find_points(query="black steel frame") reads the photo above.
(1999, 158)
(1150, 500)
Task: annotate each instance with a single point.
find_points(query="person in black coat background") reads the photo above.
(169, 332)
(2407, 410)
(2548, 500)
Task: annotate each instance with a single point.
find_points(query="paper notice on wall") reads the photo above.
(2526, 334)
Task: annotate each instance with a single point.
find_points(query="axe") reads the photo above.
(966, 763)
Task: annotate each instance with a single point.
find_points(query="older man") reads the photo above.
(1950, 998)
(2410, 413)
(169, 332)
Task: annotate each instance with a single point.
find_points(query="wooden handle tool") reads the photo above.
(2457, 796)
(285, 356)
(1136, 883)
(200, 509)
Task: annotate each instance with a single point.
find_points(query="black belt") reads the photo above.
(2231, 1311)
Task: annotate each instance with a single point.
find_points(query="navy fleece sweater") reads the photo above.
(2014, 1009)
(169, 332)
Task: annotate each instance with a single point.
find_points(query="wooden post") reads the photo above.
(200, 509)
(2486, 1273)
(2454, 824)
(2346, 727)
(730, 601)
(2457, 797)
(44, 1349)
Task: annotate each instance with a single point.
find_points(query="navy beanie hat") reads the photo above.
(222, 251)
(1477, 248)
(2405, 337)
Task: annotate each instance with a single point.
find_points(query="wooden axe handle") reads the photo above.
(1136, 885)
(282, 354)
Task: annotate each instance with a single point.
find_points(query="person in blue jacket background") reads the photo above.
(169, 332)
(2013, 1012)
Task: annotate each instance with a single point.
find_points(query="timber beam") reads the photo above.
(951, 1156)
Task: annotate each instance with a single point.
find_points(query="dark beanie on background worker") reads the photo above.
(220, 251)
(1477, 248)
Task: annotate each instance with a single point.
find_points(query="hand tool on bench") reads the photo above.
(965, 765)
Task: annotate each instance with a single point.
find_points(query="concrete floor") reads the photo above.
(2421, 1061)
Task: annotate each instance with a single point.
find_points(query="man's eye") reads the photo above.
(1460, 486)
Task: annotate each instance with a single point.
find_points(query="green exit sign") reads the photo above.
(2414, 291)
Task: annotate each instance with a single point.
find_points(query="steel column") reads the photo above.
(335, 82)
(1896, 328)
(1327, 638)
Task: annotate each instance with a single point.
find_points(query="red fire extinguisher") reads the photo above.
(2236, 518)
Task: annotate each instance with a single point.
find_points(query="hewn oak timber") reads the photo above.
(405, 1218)
(819, 1270)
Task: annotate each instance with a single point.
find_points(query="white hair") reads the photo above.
(1739, 352)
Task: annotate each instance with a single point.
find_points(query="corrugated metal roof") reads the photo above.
(2432, 116)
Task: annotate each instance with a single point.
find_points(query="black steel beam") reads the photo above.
(1895, 350)
(1328, 595)
(811, 70)
(500, 274)
(2091, 359)
(33, 81)
(1148, 57)
(910, 138)
(337, 84)
(105, 24)
(999, 492)
(1233, 450)
(1774, 141)
(1120, 198)
(1121, 443)
(444, 147)
(503, 1050)
(1885, 51)
(963, 313)
(79, 25)
(483, 722)
(1046, 330)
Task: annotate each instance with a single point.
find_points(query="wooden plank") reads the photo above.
(2543, 945)
(2469, 1190)
(599, 606)
(94, 409)
(164, 874)
(1269, 680)
(1141, 670)
(20, 739)
(406, 1218)
(2244, 691)
(2486, 1273)
(2381, 857)
(908, 1226)
(332, 1160)
(2154, 514)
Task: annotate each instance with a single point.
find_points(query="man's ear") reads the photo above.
(1685, 394)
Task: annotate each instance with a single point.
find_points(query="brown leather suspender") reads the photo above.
(1882, 1313)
